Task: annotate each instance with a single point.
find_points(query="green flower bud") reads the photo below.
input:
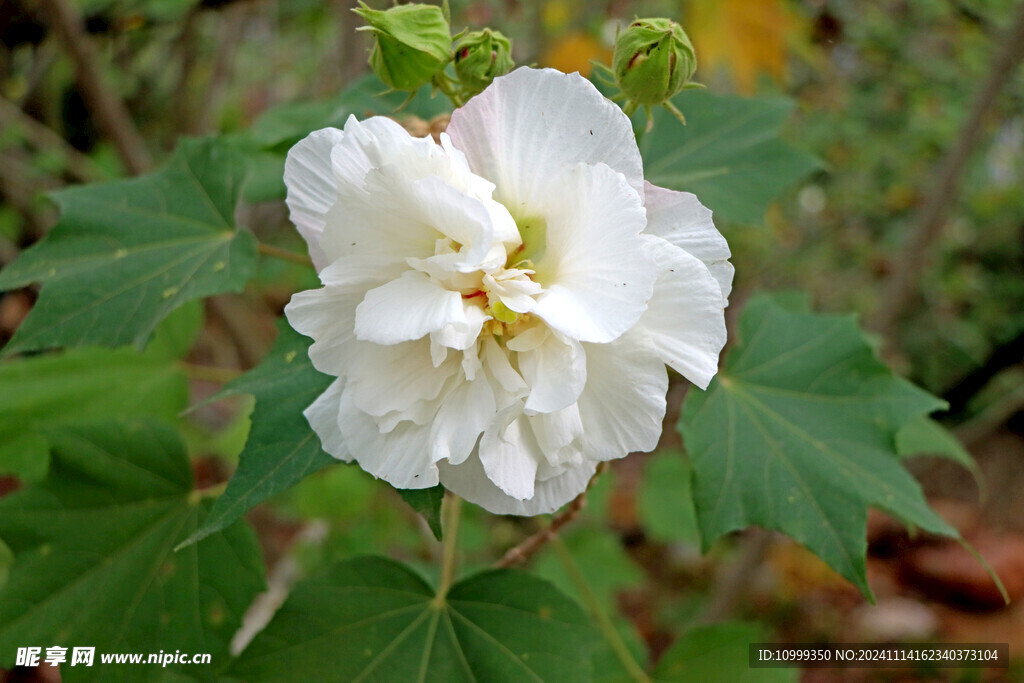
(653, 61)
(480, 57)
(413, 44)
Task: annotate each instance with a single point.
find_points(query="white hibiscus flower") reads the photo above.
(498, 309)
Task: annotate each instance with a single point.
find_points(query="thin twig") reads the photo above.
(354, 44)
(109, 111)
(280, 579)
(207, 373)
(18, 187)
(230, 34)
(528, 547)
(42, 60)
(284, 254)
(43, 138)
(931, 218)
(187, 49)
(238, 329)
(989, 419)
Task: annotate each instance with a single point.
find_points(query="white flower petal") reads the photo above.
(455, 214)
(532, 123)
(510, 456)
(596, 272)
(378, 141)
(465, 413)
(401, 457)
(369, 235)
(558, 434)
(555, 371)
(312, 187)
(406, 309)
(685, 319)
(421, 412)
(680, 219)
(623, 403)
(461, 336)
(322, 416)
(395, 196)
(327, 315)
(497, 364)
(469, 480)
(383, 379)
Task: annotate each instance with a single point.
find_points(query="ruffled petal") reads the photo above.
(378, 141)
(396, 195)
(461, 336)
(534, 123)
(510, 457)
(369, 235)
(555, 370)
(596, 272)
(497, 363)
(465, 413)
(685, 319)
(322, 416)
(463, 218)
(623, 403)
(312, 187)
(406, 309)
(401, 457)
(469, 481)
(327, 315)
(558, 434)
(680, 219)
(385, 379)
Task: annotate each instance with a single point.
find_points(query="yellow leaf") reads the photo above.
(743, 37)
(574, 53)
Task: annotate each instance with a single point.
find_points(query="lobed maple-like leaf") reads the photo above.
(126, 253)
(798, 433)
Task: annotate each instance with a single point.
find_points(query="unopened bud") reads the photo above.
(653, 61)
(480, 57)
(413, 43)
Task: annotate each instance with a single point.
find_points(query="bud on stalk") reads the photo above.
(480, 57)
(413, 44)
(653, 62)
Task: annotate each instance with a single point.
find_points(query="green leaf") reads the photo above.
(126, 253)
(282, 448)
(175, 336)
(925, 436)
(666, 501)
(94, 564)
(79, 384)
(373, 619)
(427, 502)
(717, 654)
(729, 153)
(798, 433)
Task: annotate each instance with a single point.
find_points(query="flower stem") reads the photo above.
(604, 622)
(527, 548)
(446, 85)
(450, 526)
(283, 254)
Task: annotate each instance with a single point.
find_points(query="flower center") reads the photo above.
(534, 233)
